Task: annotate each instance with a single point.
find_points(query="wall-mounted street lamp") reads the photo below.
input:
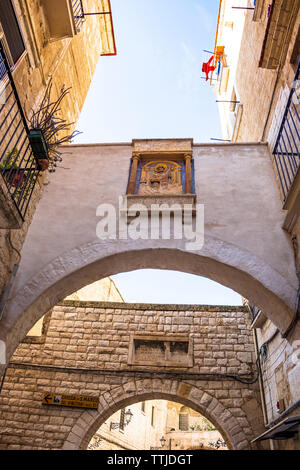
(127, 419)
(95, 443)
(162, 444)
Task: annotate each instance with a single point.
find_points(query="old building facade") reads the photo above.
(258, 94)
(42, 43)
(158, 425)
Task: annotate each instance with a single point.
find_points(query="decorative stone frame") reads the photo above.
(167, 339)
(161, 150)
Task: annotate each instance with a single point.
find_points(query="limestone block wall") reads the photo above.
(86, 351)
(98, 335)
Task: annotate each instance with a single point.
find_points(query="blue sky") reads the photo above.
(153, 89)
(172, 287)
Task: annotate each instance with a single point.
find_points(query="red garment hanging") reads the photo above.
(206, 67)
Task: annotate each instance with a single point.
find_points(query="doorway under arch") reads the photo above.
(237, 437)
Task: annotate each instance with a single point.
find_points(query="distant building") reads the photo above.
(41, 43)
(158, 425)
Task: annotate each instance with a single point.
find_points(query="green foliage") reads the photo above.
(204, 426)
(10, 161)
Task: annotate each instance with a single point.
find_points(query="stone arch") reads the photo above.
(220, 261)
(135, 391)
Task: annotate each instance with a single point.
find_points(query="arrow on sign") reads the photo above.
(47, 397)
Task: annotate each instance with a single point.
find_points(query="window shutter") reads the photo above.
(11, 30)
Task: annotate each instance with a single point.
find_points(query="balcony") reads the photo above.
(282, 16)
(18, 167)
(64, 17)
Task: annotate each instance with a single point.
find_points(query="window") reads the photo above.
(184, 419)
(295, 57)
(10, 34)
(152, 416)
(143, 406)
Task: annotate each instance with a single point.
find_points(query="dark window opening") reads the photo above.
(152, 416)
(184, 421)
(295, 57)
(10, 35)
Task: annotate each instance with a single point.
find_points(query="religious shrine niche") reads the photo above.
(161, 176)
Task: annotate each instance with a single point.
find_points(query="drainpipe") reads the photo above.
(8, 287)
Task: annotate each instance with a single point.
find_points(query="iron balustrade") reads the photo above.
(78, 13)
(18, 167)
(287, 147)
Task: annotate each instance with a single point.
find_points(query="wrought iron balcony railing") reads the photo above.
(78, 13)
(18, 167)
(287, 147)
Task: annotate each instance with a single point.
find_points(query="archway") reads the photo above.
(155, 425)
(237, 437)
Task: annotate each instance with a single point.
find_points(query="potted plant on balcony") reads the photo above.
(49, 131)
(12, 174)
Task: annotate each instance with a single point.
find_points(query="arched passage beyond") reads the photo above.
(236, 436)
(219, 261)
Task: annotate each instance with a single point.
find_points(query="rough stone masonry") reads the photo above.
(201, 356)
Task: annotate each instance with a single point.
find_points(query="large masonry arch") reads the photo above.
(244, 247)
(70, 273)
(140, 390)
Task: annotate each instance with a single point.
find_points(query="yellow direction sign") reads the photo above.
(78, 401)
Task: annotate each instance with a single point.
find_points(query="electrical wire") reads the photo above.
(12, 246)
(238, 378)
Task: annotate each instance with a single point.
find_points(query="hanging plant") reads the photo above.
(49, 130)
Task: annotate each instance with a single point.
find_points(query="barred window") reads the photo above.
(10, 33)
